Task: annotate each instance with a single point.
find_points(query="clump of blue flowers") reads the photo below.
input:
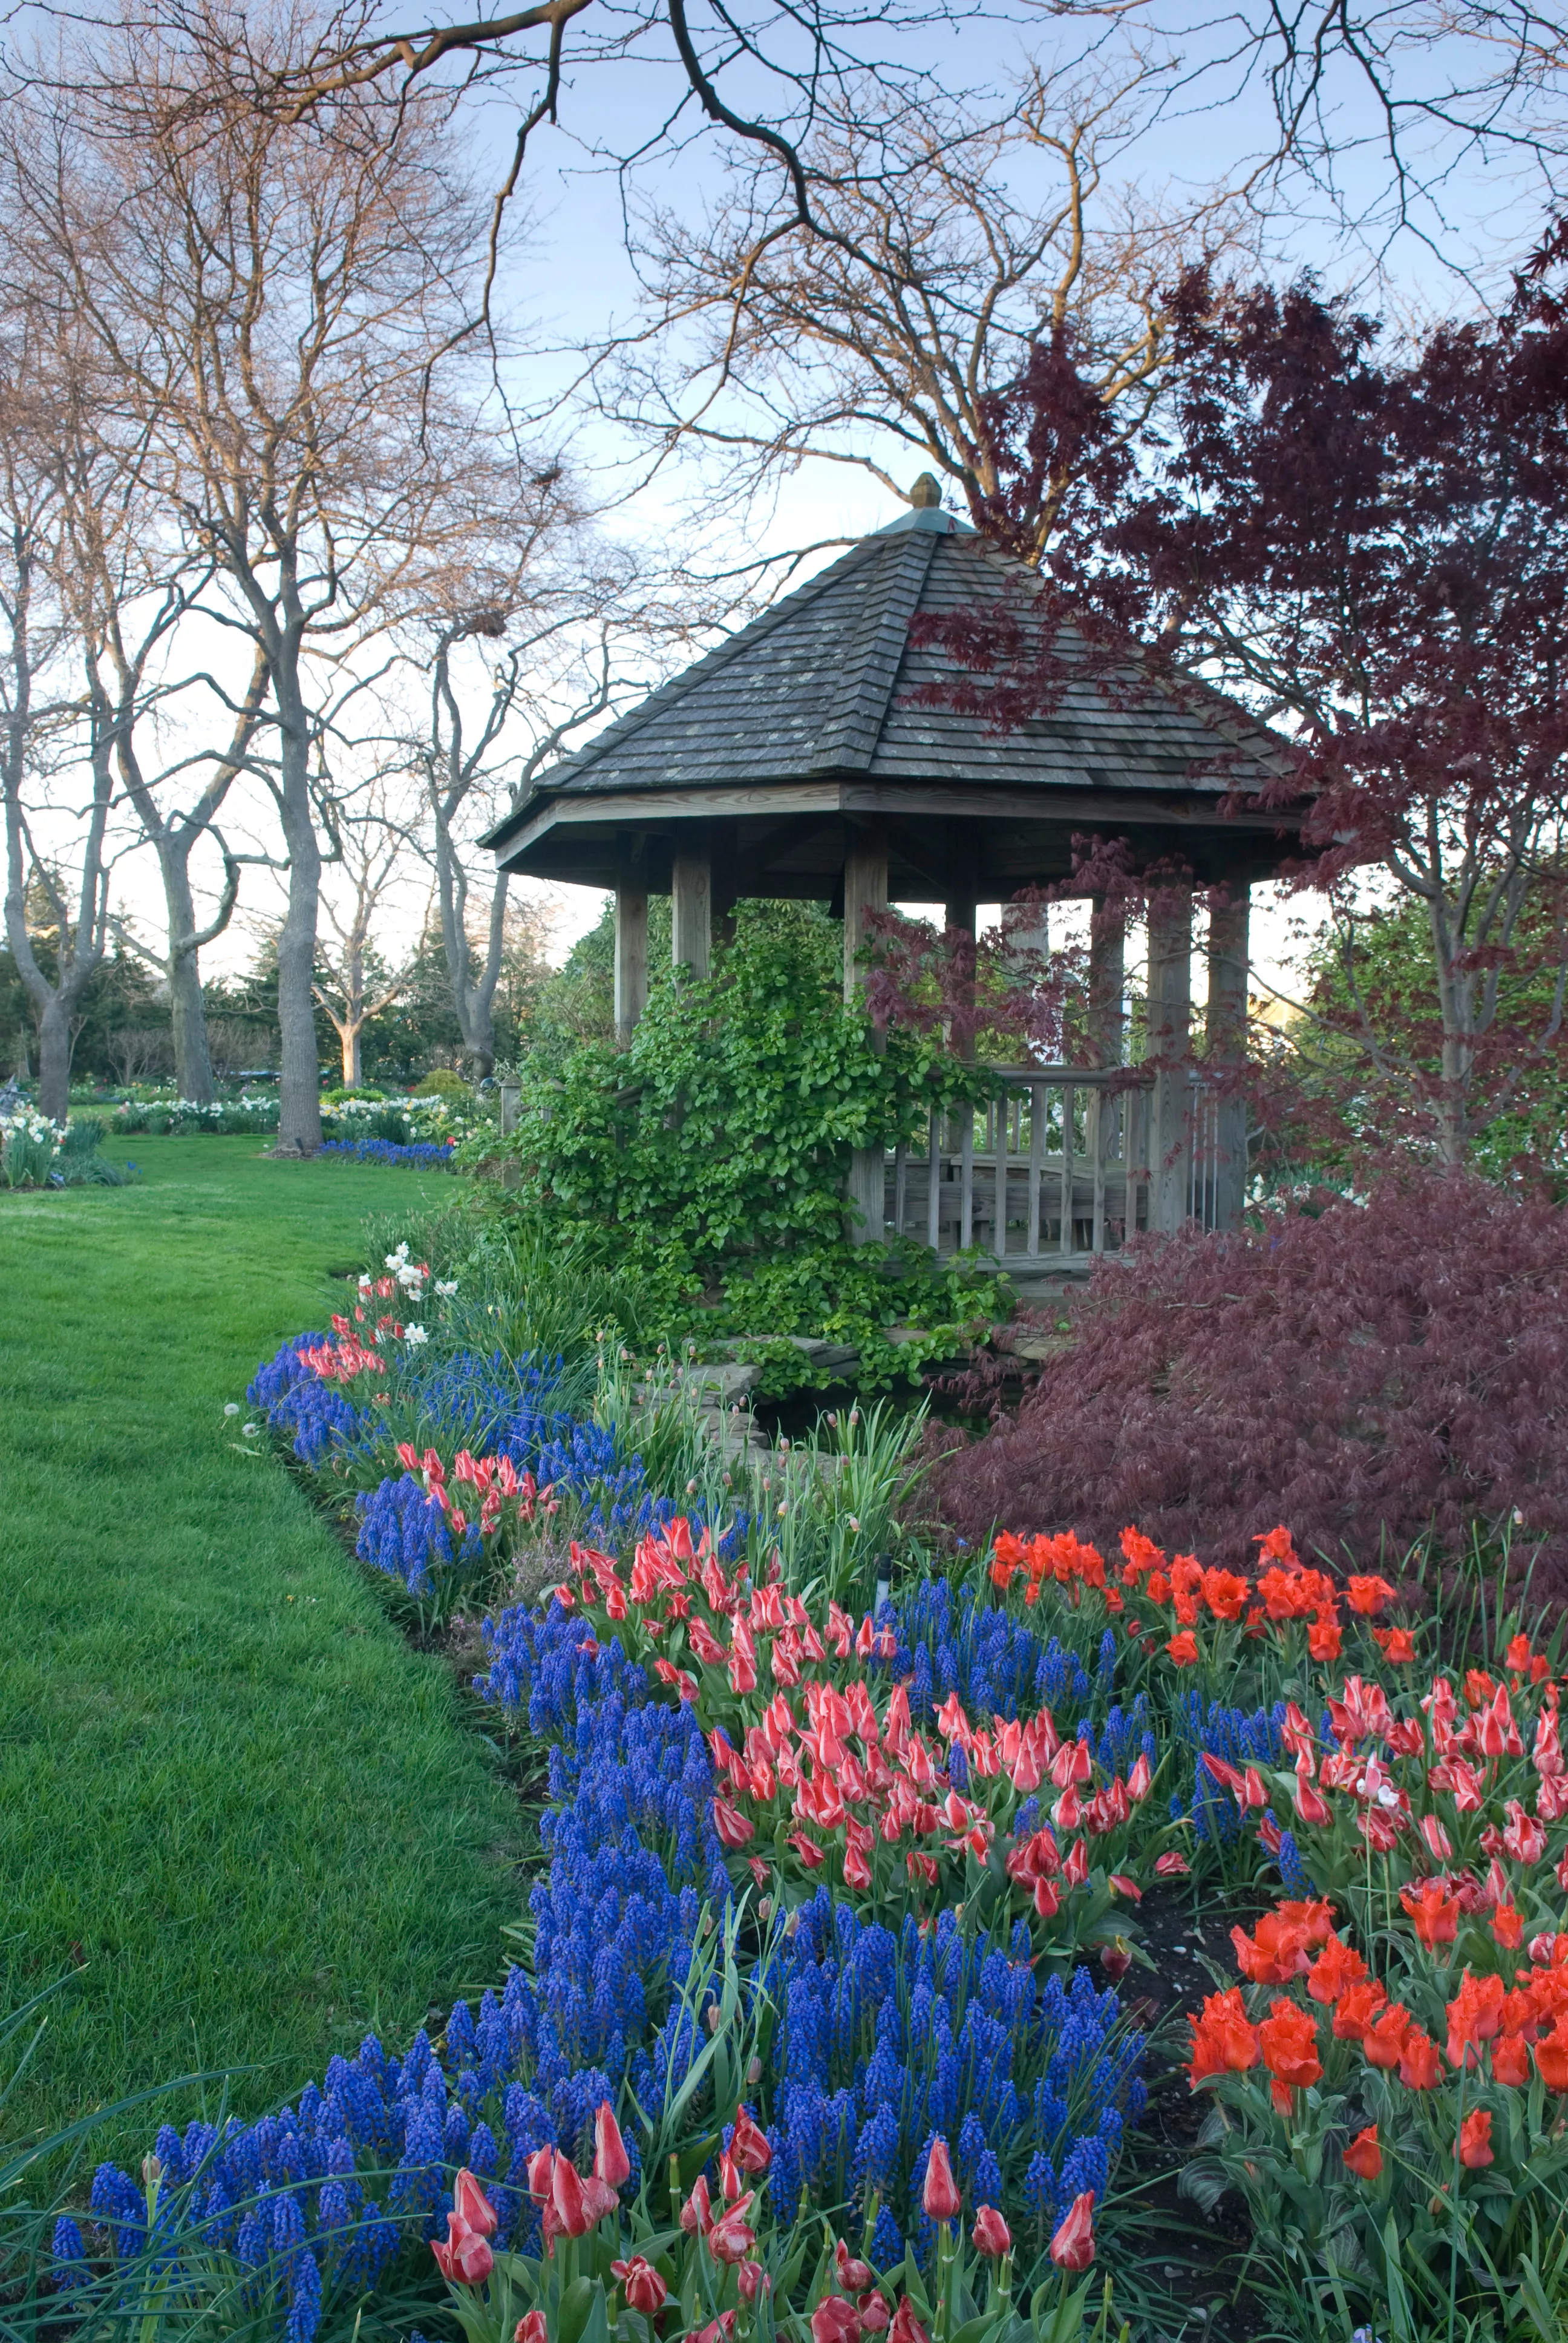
(887, 2041)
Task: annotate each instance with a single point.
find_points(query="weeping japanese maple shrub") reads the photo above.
(1368, 1372)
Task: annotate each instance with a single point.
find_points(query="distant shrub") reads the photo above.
(1368, 1372)
(442, 1083)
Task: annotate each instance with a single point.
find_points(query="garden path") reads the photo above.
(237, 1812)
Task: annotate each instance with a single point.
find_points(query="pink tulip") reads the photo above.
(940, 2197)
(991, 2233)
(466, 2259)
(749, 2146)
(531, 2329)
(611, 2162)
(644, 2289)
(854, 2275)
(1073, 2247)
(472, 2205)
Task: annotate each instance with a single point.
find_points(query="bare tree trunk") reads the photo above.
(188, 1016)
(54, 1061)
(300, 1084)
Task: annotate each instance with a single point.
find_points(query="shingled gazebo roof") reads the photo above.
(803, 727)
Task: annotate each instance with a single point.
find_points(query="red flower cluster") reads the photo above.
(493, 1480)
(1064, 1560)
(819, 1757)
(1490, 2025)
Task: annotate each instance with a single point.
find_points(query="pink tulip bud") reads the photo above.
(1073, 2246)
(940, 2197)
(645, 2288)
(854, 2275)
(991, 2233)
(611, 2163)
(531, 2329)
(472, 2205)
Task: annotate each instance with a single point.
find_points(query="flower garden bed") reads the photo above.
(832, 2008)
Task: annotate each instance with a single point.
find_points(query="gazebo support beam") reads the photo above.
(865, 890)
(630, 947)
(1107, 1030)
(1170, 1043)
(691, 909)
(1226, 1035)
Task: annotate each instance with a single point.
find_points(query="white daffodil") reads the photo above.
(415, 1334)
(446, 1287)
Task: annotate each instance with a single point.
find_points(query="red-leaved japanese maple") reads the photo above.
(1365, 1373)
(1371, 548)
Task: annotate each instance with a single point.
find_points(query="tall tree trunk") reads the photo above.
(300, 1084)
(187, 1015)
(53, 1060)
(351, 1058)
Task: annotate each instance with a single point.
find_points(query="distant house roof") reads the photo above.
(810, 710)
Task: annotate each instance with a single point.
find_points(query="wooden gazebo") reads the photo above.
(793, 761)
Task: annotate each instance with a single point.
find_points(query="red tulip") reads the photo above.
(1174, 1865)
(644, 2289)
(749, 2146)
(729, 2239)
(751, 2279)
(611, 2163)
(466, 2259)
(541, 2170)
(906, 2327)
(854, 2277)
(834, 2320)
(733, 1827)
(1363, 2156)
(1475, 2139)
(471, 2205)
(991, 2233)
(875, 2315)
(696, 2214)
(1073, 2247)
(940, 2197)
(531, 2329)
(566, 2197)
(1420, 2067)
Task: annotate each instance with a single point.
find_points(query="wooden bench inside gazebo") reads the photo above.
(795, 760)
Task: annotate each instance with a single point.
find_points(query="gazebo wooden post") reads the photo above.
(1169, 1042)
(1107, 1047)
(961, 908)
(1225, 1032)
(865, 890)
(630, 943)
(691, 907)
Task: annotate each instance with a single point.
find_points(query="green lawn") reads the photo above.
(235, 1808)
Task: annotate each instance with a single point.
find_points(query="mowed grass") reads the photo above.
(236, 1811)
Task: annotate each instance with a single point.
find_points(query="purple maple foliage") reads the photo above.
(1365, 1372)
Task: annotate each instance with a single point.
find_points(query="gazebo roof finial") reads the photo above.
(926, 493)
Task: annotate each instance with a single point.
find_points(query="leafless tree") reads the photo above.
(464, 771)
(54, 737)
(126, 583)
(906, 329)
(353, 983)
(1374, 103)
(280, 303)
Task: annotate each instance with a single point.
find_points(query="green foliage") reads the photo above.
(442, 1083)
(714, 1152)
(1521, 1104)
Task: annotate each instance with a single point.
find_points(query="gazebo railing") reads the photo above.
(1055, 1168)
